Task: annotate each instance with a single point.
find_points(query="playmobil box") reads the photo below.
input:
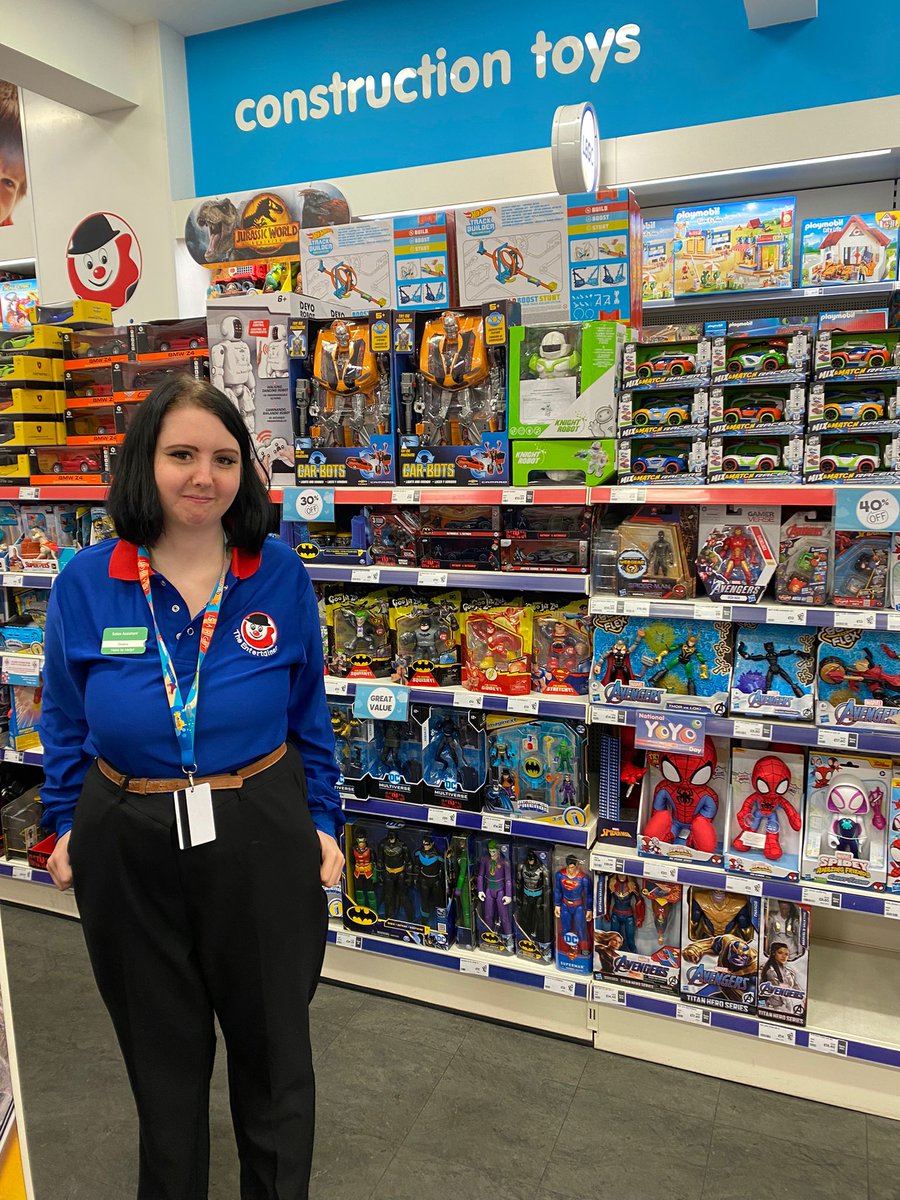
(637, 932)
(784, 962)
(657, 245)
(845, 840)
(855, 319)
(858, 679)
(562, 379)
(853, 248)
(342, 385)
(743, 246)
(682, 814)
(720, 944)
(765, 813)
(555, 461)
(774, 672)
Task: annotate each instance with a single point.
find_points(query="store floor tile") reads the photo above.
(416, 1104)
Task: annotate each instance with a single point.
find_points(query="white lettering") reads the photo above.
(268, 111)
(318, 98)
(626, 37)
(426, 70)
(562, 63)
(354, 87)
(405, 76)
(487, 67)
(240, 116)
(289, 99)
(336, 87)
(382, 100)
(472, 70)
(540, 50)
(440, 54)
(599, 53)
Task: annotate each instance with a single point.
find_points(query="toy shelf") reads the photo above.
(754, 614)
(508, 581)
(54, 491)
(28, 579)
(611, 859)
(876, 294)
(477, 494)
(716, 493)
(31, 758)
(535, 704)
(535, 831)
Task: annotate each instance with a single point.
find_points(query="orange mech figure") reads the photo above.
(350, 394)
(457, 395)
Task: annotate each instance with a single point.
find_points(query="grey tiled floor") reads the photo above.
(416, 1104)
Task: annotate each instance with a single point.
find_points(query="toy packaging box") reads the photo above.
(637, 933)
(744, 246)
(655, 552)
(741, 411)
(720, 947)
(495, 911)
(676, 459)
(759, 459)
(451, 367)
(861, 566)
(562, 379)
(784, 962)
(396, 883)
(426, 635)
(805, 560)
(342, 384)
(342, 542)
(395, 757)
(533, 910)
(837, 458)
(561, 657)
(537, 769)
(683, 800)
(893, 856)
(854, 407)
(24, 717)
(605, 257)
(573, 905)
(765, 813)
(454, 758)
(661, 414)
(352, 740)
(461, 884)
(657, 244)
(845, 839)
(774, 672)
(165, 339)
(737, 547)
(497, 645)
(18, 304)
(681, 363)
(580, 462)
(853, 248)
(858, 679)
(855, 319)
(762, 352)
(852, 356)
(359, 635)
(678, 665)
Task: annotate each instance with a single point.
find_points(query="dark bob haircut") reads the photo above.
(133, 501)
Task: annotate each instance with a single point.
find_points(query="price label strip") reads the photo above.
(442, 816)
(658, 869)
(523, 704)
(561, 987)
(494, 824)
(468, 700)
(827, 1045)
(820, 897)
(745, 884)
(781, 1034)
(349, 941)
(691, 1014)
(474, 966)
(758, 731)
(609, 995)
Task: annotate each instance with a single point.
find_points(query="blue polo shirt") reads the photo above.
(262, 681)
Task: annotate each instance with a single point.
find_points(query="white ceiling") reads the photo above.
(199, 16)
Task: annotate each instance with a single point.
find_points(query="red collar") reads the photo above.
(123, 562)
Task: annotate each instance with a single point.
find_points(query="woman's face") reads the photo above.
(197, 467)
(781, 955)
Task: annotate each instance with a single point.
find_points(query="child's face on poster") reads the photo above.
(12, 185)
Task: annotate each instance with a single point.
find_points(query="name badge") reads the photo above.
(194, 818)
(121, 639)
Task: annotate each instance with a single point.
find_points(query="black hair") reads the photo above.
(133, 500)
(772, 963)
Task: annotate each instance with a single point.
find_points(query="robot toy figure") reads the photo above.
(663, 897)
(231, 370)
(771, 782)
(364, 873)
(624, 909)
(348, 404)
(532, 901)
(572, 907)
(494, 888)
(429, 873)
(684, 801)
(715, 912)
(686, 658)
(557, 358)
(849, 799)
(395, 868)
(661, 555)
(276, 355)
(618, 667)
(774, 670)
(455, 373)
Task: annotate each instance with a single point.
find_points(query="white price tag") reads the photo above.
(745, 884)
(604, 606)
(365, 574)
(523, 704)
(14, 580)
(495, 824)
(336, 687)
(782, 1034)
(636, 608)
(892, 621)
(827, 1045)
(813, 291)
(599, 715)
(468, 700)
(657, 869)
(473, 966)
(602, 865)
(846, 618)
(406, 495)
(759, 731)
(628, 495)
(21, 871)
(840, 739)
(892, 909)
(515, 496)
(29, 493)
(432, 579)
(695, 1016)
(350, 941)
(13, 756)
(609, 995)
(442, 816)
(820, 897)
(712, 612)
(785, 615)
(562, 987)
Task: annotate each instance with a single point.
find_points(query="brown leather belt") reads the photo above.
(216, 782)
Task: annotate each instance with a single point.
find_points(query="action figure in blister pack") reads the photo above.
(856, 667)
(771, 781)
(429, 874)
(846, 827)
(781, 685)
(395, 869)
(361, 638)
(458, 394)
(497, 651)
(426, 645)
(364, 871)
(351, 739)
(624, 908)
(720, 949)
(861, 569)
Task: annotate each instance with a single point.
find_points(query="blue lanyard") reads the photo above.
(184, 712)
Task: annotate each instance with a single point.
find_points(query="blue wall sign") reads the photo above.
(350, 88)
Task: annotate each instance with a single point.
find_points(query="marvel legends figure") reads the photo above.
(532, 898)
(364, 874)
(771, 782)
(494, 887)
(395, 867)
(572, 906)
(661, 556)
(429, 866)
(624, 908)
(688, 658)
(774, 670)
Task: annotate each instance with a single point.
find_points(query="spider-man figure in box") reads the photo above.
(684, 803)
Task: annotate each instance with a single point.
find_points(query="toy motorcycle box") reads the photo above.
(784, 962)
(683, 804)
(573, 908)
(774, 672)
(846, 837)
(765, 813)
(720, 946)
(637, 932)
(858, 679)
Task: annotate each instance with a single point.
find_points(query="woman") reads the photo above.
(199, 840)
(777, 972)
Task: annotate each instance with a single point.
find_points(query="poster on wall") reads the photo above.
(18, 300)
(103, 259)
(658, 269)
(853, 248)
(13, 180)
(745, 246)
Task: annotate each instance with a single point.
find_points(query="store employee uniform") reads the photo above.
(235, 926)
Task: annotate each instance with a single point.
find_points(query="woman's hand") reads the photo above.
(58, 864)
(332, 861)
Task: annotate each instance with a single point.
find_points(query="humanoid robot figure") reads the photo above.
(231, 370)
(275, 365)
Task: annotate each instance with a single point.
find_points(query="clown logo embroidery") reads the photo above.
(257, 634)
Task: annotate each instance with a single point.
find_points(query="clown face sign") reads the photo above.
(104, 259)
(257, 635)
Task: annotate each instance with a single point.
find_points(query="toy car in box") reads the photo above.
(853, 407)
(746, 353)
(95, 347)
(835, 456)
(740, 411)
(738, 459)
(680, 364)
(185, 338)
(648, 460)
(661, 414)
(867, 356)
(64, 464)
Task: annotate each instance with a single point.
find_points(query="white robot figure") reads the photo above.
(231, 370)
(274, 355)
(557, 358)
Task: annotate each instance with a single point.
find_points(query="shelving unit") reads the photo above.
(537, 703)
(755, 614)
(510, 581)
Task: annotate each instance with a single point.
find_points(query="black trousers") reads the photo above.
(234, 928)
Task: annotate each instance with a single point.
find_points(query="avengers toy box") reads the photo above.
(858, 679)
(683, 802)
(637, 932)
(537, 769)
(893, 856)
(720, 945)
(784, 962)
(774, 672)
(399, 882)
(573, 906)
(847, 801)
(765, 813)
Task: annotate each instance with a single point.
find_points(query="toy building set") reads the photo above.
(765, 813)
(537, 769)
(657, 244)
(853, 248)
(637, 933)
(774, 672)
(720, 947)
(847, 807)
(783, 995)
(744, 246)
(682, 807)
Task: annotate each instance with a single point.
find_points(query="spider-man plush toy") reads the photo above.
(684, 803)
